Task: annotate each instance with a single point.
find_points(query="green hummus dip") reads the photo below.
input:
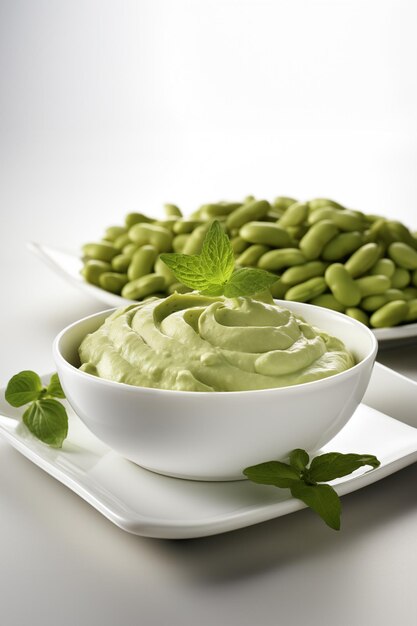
(194, 343)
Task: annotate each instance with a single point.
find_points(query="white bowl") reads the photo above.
(215, 435)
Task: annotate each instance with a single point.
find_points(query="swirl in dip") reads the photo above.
(190, 342)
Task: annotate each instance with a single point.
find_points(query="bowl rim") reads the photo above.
(58, 357)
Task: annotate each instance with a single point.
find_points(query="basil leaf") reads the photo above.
(48, 421)
(23, 387)
(54, 388)
(272, 473)
(335, 465)
(299, 459)
(217, 257)
(247, 281)
(322, 499)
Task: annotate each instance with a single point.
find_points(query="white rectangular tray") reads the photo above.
(151, 505)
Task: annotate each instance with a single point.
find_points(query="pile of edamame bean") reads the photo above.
(362, 265)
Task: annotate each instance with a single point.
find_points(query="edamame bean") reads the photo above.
(122, 241)
(295, 215)
(222, 209)
(167, 223)
(178, 288)
(342, 245)
(142, 262)
(163, 270)
(103, 251)
(238, 244)
(403, 255)
(121, 262)
(251, 255)
(399, 232)
(93, 269)
(316, 238)
(319, 203)
(185, 226)
(283, 202)
(390, 314)
(383, 266)
(178, 243)
(171, 210)
(144, 286)
(266, 234)
(157, 236)
(344, 220)
(412, 311)
(113, 232)
(137, 218)
(299, 274)
(130, 248)
(401, 278)
(373, 285)
(342, 285)
(196, 239)
(358, 315)
(274, 260)
(113, 282)
(363, 259)
(247, 213)
(328, 301)
(307, 291)
(278, 289)
(414, 278)
(410, 293)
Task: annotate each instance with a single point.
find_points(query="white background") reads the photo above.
(108, 107)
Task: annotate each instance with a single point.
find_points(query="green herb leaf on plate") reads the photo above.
(333, 465)
(299, 459)
(272, 473)
(54, 388)
(47, 419)
(322, 499)
(23, 387)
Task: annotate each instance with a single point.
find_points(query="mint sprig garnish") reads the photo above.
(213, 273)
(45, 417)
(306, 481)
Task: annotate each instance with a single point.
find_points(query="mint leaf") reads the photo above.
(47, 419)
(299, 459)
(187, 269)
(247, 281)
(54, 388)
(23, 387)
(272, 473)
(217, 256)
(322, 499)
(335, 465)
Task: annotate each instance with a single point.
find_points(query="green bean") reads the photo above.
(301, 273)
(383, 266)
(112, 281)
(142, 262)
(251, 255)
(401, 278)
(121, 262)
(363, 259)
(113, 232)
(373, 285)
(316, 238)
(248, 213)
(275, 260)
(178, 243)
(390, 314)
(103, 251)
(157, 236)
(283, 202)
(358, 315)
(171, 210)
(144, 286)
(328, 301)
(137, 218)
(303, 292)
(182, 227)
(121, 241)
(345, 220)
(342, 245)
(412, 311)
(266, 234)
(404, 255)
(92, 271)
(295, 215)
(342, 285)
